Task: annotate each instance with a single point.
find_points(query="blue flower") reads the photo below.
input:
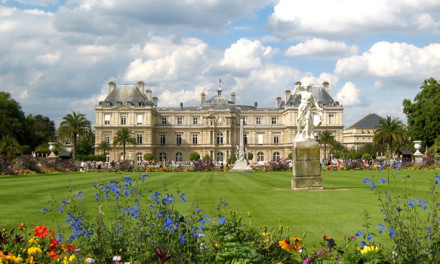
(159, 214)
(391, 232)
(127, 181)
(44, 210)
(373, 186)
(382, 180)
(97, 196)
(78, 195)
(143, 177)
(382, 228)
(197, 211)
(59, 237)
(182, 239)
(363, 244)
(156, 194)
(423, 205)
(63, 203)
(182, 197)
(369, 237)
(411, 203)
(359, 233)
(60, 209)
(366, 180)
(398, 209)
(222, 220)
(429, 229)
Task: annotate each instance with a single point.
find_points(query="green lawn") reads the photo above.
(337, 212)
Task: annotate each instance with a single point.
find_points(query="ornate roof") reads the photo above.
(126, 95)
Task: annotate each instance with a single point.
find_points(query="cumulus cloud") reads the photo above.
(352, 19)
(349, 95)
(392, 61)
(321, 48)
(245, 55)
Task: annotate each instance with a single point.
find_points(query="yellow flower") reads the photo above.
(368, 249)
(264, 234)
(33, 250)
(284, 244)
(279, 263)
(34, 240)
(67, 260)
(216, 245)
(31, 260)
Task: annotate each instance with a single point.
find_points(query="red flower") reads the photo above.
(40, 231)
(53, 255)
(324, 237)
(53, 244)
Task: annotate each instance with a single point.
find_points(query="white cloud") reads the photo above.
(321, 48)
(349, 95)
(394, 61)
(246, 54)
(49, 58)
(352, 19)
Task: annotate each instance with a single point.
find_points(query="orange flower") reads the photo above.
(53, 255)
(296, 240)
(53, 244)
(284, 244)
(40, 231)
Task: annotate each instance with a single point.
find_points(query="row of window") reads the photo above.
(219, 139)
(195, 121)
(179, 157)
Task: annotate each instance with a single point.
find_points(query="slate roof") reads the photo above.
(320, 94)
(370, 121)
(126, 95)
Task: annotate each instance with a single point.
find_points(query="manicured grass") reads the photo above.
(337, 212)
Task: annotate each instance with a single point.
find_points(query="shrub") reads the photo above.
(126, 165)
(148, 156)
(366, 156)
(203, 165)
(5, 165)
(193, 156)
(28, 162)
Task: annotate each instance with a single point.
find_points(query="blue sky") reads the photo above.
(58, 56)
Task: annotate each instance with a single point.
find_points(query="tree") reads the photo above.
(423, 115)
(74, 125)
(43, 130)
(9, 146)
(123, 137)
(250, 156)
(12, 119)
(325, 137)
(194, 156)
(389, 131)
(104, 146)
(148, 156)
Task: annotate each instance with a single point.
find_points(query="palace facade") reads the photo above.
(209, 128)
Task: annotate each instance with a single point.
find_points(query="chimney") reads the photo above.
(148, 93)
(155, 101)
(111, 86)
(202, 99)
(181, 105)
(141, 86)
(278, 101)
(233, 97)
(326, 87)
(287, 96)
(255, 104)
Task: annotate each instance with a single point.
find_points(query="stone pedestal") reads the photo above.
(241, 166)
(306, 166)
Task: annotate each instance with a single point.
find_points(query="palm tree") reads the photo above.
(10, 146)
(325, 137)
(74, 125)
(389, 131)
(104, 146)
(123, 136)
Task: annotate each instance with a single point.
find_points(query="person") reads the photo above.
(305, 113)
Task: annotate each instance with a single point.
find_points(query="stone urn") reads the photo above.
(52, 146)
(417, 146)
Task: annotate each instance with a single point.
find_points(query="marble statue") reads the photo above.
(308, 117)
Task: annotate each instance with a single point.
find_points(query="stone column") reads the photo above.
(306, 166)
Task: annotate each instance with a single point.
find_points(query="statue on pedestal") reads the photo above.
(307, 118)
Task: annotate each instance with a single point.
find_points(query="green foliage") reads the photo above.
(423, 114)
(90, 157)
(9, 146)
(206, 157)
(148, 156)
(42, 130)
(232, 159)
(104, 147)
(366, 156)
(193, 156)
(289, 156)
(325, 137)
(12, 119)
(389, 131)
(124, 137)
(74, 125)
(250, 156)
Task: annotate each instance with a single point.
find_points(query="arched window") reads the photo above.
(139, 157)
(179, 157)
(260, 156)
(219, 138)
(276, 156)
(219, 157)
(162, 156)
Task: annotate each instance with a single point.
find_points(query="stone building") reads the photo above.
(209, 128)
(361, 132)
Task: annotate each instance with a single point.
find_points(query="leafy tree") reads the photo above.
(85, 145)
(148, 156)
(123, 137)
(43, 130)
(12, 119)
(389, 131)
(325, 137)
(250, 156)
(10, 146)
(104, 146)
(194, 156)
(206, 157)
(232, 158)
(423, 115)
(434, 149)
(74, 125)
